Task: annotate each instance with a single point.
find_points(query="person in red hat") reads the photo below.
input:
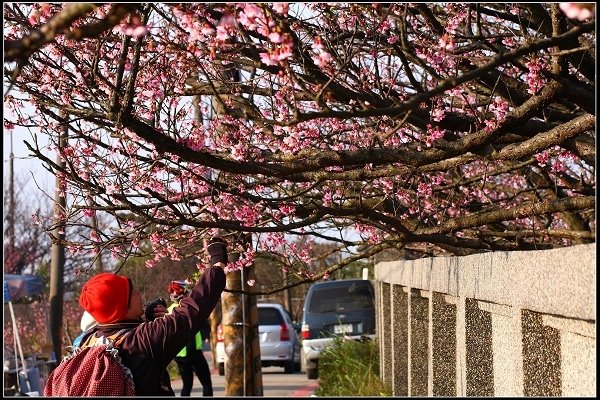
(147, 351)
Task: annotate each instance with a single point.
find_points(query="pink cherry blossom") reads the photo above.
(580, 11)
(34, 17)
(222, 33)
(207, 30)
(268, 58)
(323, 59)
(276, 37)
(281, 8)
(447, 42)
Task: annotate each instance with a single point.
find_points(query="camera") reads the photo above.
(149, 309)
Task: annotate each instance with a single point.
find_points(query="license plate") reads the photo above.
(343, 328)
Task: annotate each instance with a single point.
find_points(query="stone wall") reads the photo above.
(492, 324)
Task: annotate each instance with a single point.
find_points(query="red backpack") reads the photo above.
(93, 370)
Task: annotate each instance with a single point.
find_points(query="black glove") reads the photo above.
(149, 313)
(217, 248)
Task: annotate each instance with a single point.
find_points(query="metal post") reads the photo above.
(10, 220)
(244, 330)
(18, 340)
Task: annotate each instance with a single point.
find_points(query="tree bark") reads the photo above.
(243, 374)
(57, 264)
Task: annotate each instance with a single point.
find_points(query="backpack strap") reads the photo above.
(86, 336)
(117, 338)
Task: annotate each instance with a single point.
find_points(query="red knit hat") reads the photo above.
(106, 297)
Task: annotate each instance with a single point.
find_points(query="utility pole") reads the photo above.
(288, 293)
(215, 317)
(57, 266)
(10, 217)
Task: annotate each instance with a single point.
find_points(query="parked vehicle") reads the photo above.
(343, 308)
(279, 340)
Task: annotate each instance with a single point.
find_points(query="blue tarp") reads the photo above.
(21, 286)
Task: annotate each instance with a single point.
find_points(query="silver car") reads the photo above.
(279, 341)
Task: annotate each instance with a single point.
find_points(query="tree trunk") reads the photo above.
(57, 265)
(243, 373)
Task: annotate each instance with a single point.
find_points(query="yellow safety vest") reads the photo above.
(198, 336)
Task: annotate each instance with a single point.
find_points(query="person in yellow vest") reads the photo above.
(190, 359)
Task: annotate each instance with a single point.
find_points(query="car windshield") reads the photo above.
(269, 316)
(355, 297)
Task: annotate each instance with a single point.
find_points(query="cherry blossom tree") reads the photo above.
(29, 250)
(32, 324)
(26, 245)
(431, 128)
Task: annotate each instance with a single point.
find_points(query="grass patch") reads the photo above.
(351, 368)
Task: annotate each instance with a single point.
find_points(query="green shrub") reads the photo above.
(351, 368)
(173, 370)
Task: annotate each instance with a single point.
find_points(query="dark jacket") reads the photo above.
(150, 348)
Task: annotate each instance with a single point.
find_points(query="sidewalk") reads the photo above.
(275, 383)
(219, 391)
(218, 386)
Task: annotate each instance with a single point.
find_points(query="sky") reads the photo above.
(24, 166)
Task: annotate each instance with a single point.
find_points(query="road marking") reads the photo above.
(306, 390)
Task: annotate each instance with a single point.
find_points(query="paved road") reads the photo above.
(275, 383)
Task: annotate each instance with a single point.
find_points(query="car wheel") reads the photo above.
(291, 366)
(288, 368)
(312, 373)
(221, 369)
(297, 364)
